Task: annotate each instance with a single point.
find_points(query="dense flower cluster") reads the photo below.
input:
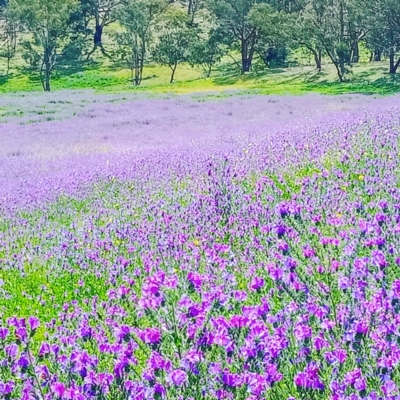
(262, 268)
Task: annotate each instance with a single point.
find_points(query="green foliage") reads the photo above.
(275, 31)
(59, 38)
(173, 46)
(207, 52)
(384, 33)
(46, 21)
(8, 37)
(137, 17)
(234, 21)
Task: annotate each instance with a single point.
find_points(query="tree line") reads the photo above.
(58, 34)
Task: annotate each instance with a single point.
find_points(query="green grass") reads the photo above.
(365, 78)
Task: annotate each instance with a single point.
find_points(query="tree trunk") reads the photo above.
(8, 63)
(137, 71)
(342, 66)
(47, 70)
(377, 55)
(98, 35)
(47, 74)
(335, 63)
(173, 73)
(341, 62)
(339, 72)
(393, 65)
(47, 81)
(208, 73)
(355, 53)
(317, 58)
(245, 58)
(248, 49)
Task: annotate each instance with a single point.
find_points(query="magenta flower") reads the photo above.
(58, 389)
(178, 377)
(44, 349)
(302, 331)
(257, 283)
(6, 388)
(308, 252)
(362, 327)
(150, 335)
(389, 388)
(156, 361)
(232, 380)
(21, 334)
(33, 323)
(3, 333)
(309, 378)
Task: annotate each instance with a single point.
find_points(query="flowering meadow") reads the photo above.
(245, 248)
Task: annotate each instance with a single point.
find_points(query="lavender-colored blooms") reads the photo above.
(240, 249)
(178, 377)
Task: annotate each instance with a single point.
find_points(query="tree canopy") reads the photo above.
(200, 32)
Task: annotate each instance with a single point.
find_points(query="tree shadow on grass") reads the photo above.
(4, 79)
(353, 87)
(233, 78)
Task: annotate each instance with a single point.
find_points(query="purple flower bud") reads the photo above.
(389, 388)
(302, 331)
(178, 377)
(21, 334)
(6, 388)
(280, 231)
(257, 283)
(343, 282)
(308, 252)
(232, 380)
(33, 323)
(44, 349)
(150, 335)
(4, 333)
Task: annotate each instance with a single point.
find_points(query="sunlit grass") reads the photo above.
(365, 78)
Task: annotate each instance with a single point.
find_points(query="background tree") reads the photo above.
(46, 21)
(99, 14)
(193, 7)
(334, 26)
(303, 31)
(207, 51)
(137, 17)
(8, 37)
(233, 19)
(273, 27)
(173, 45)
(384, 34)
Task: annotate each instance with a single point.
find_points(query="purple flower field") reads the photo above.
(188, 248)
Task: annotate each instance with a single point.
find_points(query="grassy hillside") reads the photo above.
(366, 78)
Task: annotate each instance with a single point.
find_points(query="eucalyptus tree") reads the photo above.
(193, 7)
(274, 27)
(336, 27)
(233, 18)
(8, 38)
(206, 51)
(47, 23)
(174, 40)
(97, 15)
(137, 17)
(8, 35)
(384, 34)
